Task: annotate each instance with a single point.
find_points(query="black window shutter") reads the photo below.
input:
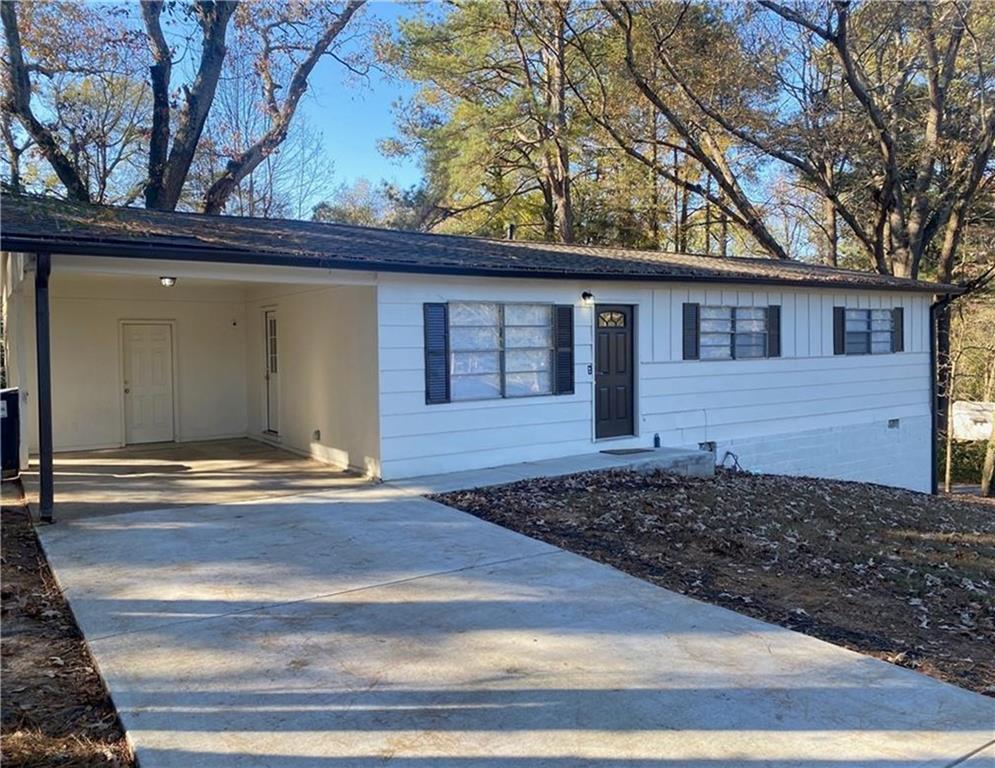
(839, 330)
(692, 335)
(563, 362)
(436, 353)
(774, 330)
(898, 330)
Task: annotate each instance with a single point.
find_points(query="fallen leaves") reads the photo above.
(56, 711)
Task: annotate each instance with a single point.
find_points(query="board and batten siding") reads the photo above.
(807, 412)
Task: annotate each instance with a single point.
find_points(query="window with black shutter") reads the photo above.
(486, 350)
(731, 332)
(868, 331)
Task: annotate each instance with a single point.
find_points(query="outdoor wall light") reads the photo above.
(587, 297)
(167, 282)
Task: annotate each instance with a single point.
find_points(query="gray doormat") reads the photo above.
(627, 451)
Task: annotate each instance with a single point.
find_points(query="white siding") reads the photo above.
(87, 389)
(837, 406)
(326, 342)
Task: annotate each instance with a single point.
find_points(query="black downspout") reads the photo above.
(934, 415)
(43, 268)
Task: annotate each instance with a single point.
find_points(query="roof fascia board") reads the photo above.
(134, 250)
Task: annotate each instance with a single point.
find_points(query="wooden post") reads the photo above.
(43, 269)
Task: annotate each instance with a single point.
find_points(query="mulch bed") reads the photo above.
(901, 576)
(55, 708)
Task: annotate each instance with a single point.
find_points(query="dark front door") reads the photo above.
(613, 383)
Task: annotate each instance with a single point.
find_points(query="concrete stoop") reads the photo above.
(684, 463)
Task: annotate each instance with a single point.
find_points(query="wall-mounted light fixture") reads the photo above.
(587, 297)
(167, 282)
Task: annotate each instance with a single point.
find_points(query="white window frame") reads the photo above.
(502, 350)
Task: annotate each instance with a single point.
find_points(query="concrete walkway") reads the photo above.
(368, 627)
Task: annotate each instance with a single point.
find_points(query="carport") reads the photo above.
(160, 367)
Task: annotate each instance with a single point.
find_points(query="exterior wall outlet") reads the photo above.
(708, 445)
(316, 436)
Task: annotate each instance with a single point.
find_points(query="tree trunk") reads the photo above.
(685, 199)
(724, 251)
(677, 206)
(832, 232)
(655, 181)
(556, 82)
(708, 217)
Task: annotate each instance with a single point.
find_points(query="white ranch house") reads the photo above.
(402, 354)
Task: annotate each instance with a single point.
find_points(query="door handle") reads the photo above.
(126, 390)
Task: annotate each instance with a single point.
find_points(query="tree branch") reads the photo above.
(245, 162)
(18, 102)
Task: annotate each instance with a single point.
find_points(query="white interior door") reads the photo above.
(148, 383)
(272, 375)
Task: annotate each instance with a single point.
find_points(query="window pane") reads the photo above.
(715, 353)
(756, 326)
(470, 338)
(718, 313)
(881, 325)
(473, 313)
(750, 313)
(527, 360)
(475, 387)
(715, 346)
(857, 343)
(750, 351)
(881, 341)
(476, 362)
(527, 314)
(521, 384)
(881, 314)
(528, 336)
(716, 325)
(858, 314)
(751, 345)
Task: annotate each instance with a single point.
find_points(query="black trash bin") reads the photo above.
(10, 432)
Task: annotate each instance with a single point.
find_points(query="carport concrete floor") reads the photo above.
(159, 475)
(368, 626)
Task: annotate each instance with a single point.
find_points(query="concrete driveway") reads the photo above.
(370, 627)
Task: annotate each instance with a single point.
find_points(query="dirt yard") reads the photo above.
(902, 576)
(56, 711)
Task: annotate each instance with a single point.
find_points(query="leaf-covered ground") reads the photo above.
(55, 708)
(902, 576)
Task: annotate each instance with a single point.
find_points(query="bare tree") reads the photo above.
(162, 123)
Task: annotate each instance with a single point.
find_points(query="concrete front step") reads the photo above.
(679, 461)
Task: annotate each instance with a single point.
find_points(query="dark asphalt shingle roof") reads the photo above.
(30, 223)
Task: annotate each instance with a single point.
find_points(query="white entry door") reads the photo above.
(148, 383)
(272, 374)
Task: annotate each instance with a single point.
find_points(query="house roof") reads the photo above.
(32, 223)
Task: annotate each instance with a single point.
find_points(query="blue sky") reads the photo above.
(352, 117)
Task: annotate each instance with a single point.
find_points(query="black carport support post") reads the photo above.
(43, 268)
